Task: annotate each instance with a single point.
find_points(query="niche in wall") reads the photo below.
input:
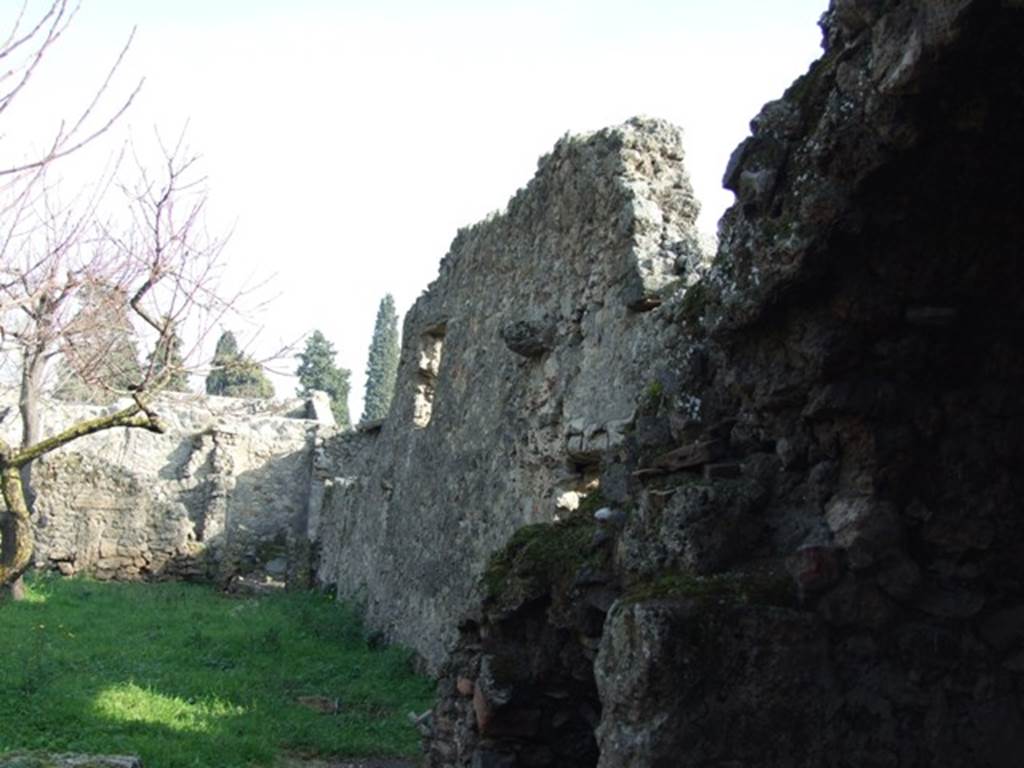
(428, 365)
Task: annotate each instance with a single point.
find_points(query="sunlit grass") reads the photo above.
(129, 703)
(34, 596)
(184, 676)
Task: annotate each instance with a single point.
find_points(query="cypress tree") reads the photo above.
(317, 370)
(235, 374)
(224, 354)
(382, 362)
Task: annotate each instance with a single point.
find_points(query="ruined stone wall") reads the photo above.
(222, 492)
(520, 366)
(818, 557)
(342, 471)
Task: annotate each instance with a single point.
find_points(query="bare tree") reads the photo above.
(150, 255)
(164, 269)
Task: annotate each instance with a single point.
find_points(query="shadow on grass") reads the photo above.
(183, 676)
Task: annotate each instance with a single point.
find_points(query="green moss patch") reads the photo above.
(541, 557)
(694, 304)
(590, 503)
(768, 584)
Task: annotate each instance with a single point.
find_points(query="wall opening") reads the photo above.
(427, 367)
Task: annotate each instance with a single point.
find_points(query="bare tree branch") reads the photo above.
(137, 415)
(67, 140)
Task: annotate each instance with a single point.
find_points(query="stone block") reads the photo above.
(529, 338)
(759, 661)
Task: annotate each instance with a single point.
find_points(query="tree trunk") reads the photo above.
(16, 546)
(28, 399)
(31, 432)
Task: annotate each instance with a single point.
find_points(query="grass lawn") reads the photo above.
(185, 676)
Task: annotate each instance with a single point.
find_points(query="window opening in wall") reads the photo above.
(429, 363)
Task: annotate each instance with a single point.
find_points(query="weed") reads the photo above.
(654, 392)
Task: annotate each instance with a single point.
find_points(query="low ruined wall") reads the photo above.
(223, 491)
(520, 367)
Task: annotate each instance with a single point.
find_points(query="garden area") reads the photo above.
(183, 675)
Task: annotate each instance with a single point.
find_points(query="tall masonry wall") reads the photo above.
(821, 559)
(520, 367)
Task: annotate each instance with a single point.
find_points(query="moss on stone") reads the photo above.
(590, 503)
(768, 584)
(694, 304)
(543, 557)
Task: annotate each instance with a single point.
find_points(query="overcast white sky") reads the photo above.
(345, 142)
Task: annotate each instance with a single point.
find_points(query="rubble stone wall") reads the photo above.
(817, 557)
(520, 366)
(222, 492)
